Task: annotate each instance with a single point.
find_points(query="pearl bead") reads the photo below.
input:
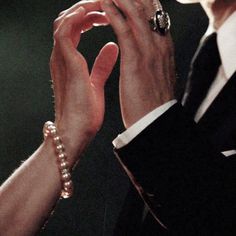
(68, 185)
(48, 123)
(60, 161)
(57, 140)
(71, 189)
(53, 132)
(60, 148)
(46, 132)
(62, 156)
(63, 164)
(65, 171)
(66, 194)
(66, 177)
(50, 129)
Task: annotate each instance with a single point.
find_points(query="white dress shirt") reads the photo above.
(226, 41)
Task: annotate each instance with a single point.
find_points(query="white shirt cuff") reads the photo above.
(134, 130)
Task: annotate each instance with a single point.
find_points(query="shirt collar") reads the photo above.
(226, 40)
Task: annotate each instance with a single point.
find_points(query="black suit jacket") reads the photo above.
(179, 173)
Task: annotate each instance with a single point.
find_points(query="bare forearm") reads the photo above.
(28, 196)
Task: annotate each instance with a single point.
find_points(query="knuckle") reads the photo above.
(61, 13)
(56, 23)
(67, 19)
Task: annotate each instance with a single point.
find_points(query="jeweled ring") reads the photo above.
(160, 22)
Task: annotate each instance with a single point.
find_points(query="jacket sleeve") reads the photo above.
(186, 185)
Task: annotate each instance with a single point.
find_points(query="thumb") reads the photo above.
(104, 64)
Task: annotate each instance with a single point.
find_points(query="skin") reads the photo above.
(29, 195)
(144, 88)
(79, 97)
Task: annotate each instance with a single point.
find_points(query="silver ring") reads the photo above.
(160, 22)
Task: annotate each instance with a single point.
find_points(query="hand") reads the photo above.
(147, 71)
(79, 96)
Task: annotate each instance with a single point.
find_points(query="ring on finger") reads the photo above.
(160, 22)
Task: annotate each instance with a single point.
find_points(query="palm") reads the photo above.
(80, 95)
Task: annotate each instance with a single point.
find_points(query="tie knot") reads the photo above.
(208, 56)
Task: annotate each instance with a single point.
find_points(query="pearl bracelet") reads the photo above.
(50, 130)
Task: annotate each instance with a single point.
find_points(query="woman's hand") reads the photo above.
(79, 95)
(29, 195)
(147, 72)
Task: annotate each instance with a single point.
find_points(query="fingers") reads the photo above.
(71, 22)
(104, 64)
(66, 62)
(135, 13)
(87, 5)
(65, 45)
(133, 30)
(151, 6)
(94, 19)
(121, 27)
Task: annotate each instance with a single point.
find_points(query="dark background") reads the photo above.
(26, 103)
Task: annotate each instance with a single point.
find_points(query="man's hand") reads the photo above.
(147, 72)
(79, 96)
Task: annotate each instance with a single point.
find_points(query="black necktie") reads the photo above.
(203, 71)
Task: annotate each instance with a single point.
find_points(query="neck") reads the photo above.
(218, 11)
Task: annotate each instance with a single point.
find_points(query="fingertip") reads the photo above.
(104, 63)
(113, 45)
(113, 48)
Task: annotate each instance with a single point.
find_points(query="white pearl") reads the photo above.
(57, 140)
(65, 171)
(61, 156)
(66, 194)
(48, 123)
(53, 132)
(68, 185)
(66, 177)
(64, 164)
(60, 148)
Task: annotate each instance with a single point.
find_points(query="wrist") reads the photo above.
(61, 154)
(65, 164)
(75, 141)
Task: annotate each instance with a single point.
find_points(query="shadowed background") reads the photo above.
(26, 103)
